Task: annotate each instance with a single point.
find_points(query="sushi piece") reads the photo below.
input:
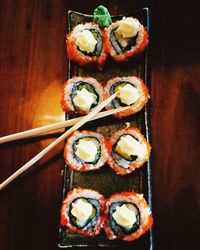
(85, 45)
(81, 94)
(82, 211)
(125, 39)
(85, 151)
(128, 150)
(128, 216)
(132, 92)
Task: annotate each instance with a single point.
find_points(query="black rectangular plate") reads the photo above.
(105, 180)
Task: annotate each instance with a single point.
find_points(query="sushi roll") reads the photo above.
(128, 150)
(82, 211)
(125, 39)
(85, 151)
(132, 92)
(85, 45)
(81, 94)
(128, 216)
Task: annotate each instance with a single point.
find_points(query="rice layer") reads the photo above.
(146, 219)
(135, 107)
(96, 225)
(75, 163)
(140, 43)
(121, 165)
(68, 91)
(79, 56)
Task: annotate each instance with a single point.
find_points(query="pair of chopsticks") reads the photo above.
(77, 122)
(55, 126)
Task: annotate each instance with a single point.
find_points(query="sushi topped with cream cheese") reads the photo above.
(85, 151)
(128, 150)
(128, 216)
(125, 39)
(81, 94)
(82, 211)
(85, 45)
(132, 92)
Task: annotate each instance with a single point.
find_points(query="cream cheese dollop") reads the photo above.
(86, 41)
(82, 210)
(84, 99)
(129, 146)
(124, 216)
(128, 27)
(86, 150)
(128, 94)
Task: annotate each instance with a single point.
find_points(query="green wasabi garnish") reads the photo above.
(102, 17)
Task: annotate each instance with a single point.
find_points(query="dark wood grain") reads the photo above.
(32, 71)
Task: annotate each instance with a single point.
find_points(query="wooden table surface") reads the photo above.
(32, 71)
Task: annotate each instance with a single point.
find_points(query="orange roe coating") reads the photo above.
(83, 166)
(135, 107)
(65, 219)
(145, 213)
(137, 49)
(77, 56)
(66, 103)
(133, 165)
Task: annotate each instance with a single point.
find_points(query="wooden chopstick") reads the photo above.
(55, 126)
(56, 142)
